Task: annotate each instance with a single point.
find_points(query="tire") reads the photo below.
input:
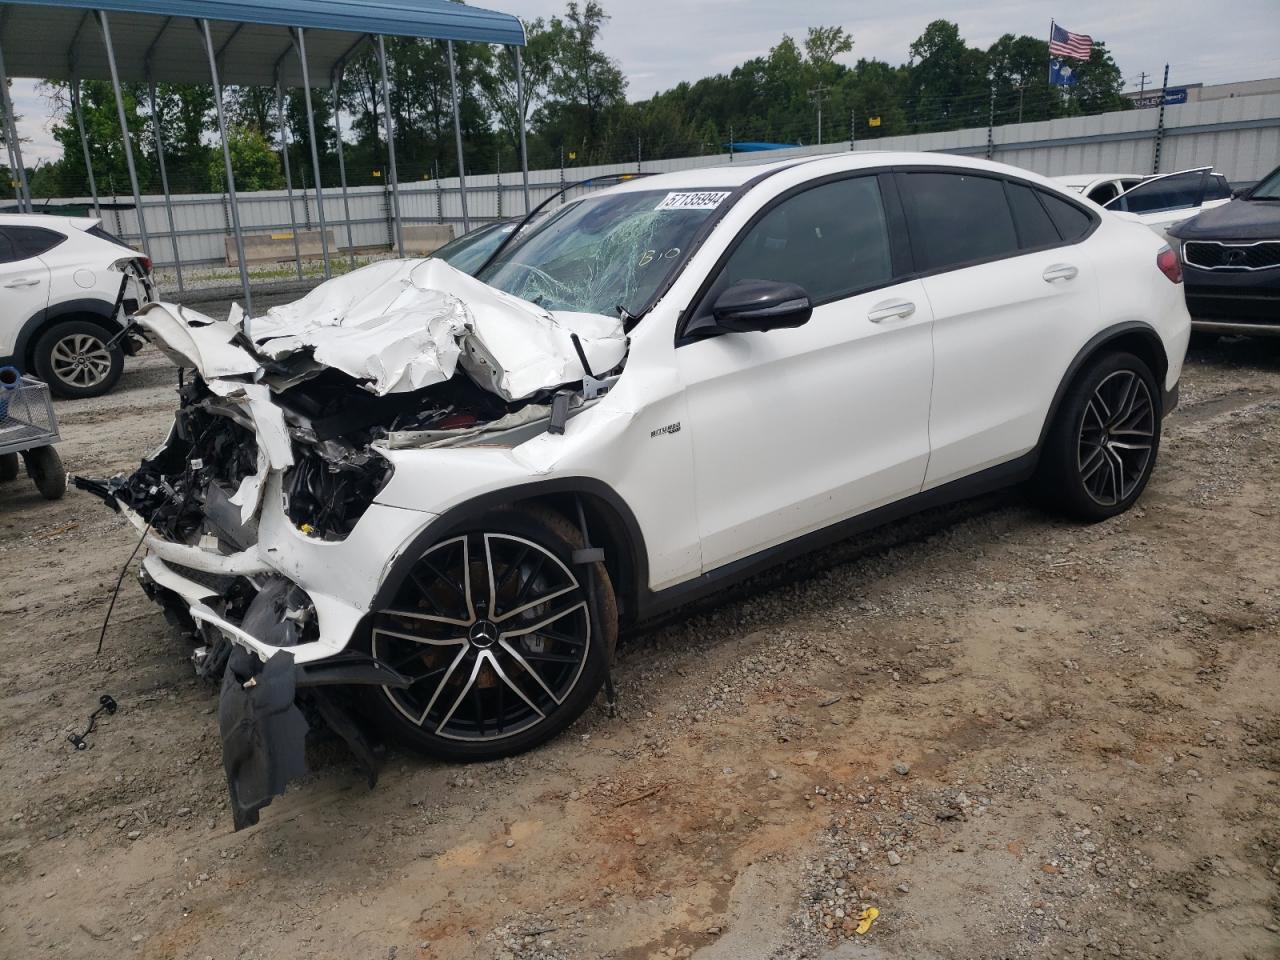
(489, 688)
(1103, 443)
(8, 467)
(45, 469)
(74, 359)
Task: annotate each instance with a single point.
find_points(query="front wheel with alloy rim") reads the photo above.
(77, 359)
(1102, 447)
(505, 640)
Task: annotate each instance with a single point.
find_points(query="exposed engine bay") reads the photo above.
(252, 509)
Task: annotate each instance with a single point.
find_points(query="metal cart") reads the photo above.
(29, 427)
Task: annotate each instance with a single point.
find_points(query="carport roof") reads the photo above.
(49, 39)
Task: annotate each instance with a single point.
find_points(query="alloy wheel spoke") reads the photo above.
(466, 688)
(414, 638)
(515, 655)
(535, 603)
(544, 622)
(497, 668)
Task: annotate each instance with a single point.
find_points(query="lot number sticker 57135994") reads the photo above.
(699, 200)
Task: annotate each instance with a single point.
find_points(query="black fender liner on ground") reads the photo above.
(264, 730)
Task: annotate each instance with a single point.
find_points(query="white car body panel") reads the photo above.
(78, 268)
(724, 447)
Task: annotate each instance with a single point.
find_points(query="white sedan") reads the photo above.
(451, 492)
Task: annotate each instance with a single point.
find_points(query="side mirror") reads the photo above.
(760, 305)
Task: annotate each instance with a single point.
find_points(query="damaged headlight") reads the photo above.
(329, 488)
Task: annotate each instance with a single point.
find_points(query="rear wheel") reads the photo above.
(46, 471)
(75, 360)
(1102, 447)
(496, 629)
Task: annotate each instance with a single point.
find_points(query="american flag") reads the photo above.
(1064, 43)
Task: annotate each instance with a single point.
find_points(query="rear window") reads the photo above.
(1035, 228)
(30, 242)
(1071, 221)
(1217, 188)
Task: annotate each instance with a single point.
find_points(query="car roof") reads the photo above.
(48, 221)
(1084, 179)
(731, 175)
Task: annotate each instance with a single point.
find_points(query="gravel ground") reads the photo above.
(1009, 735)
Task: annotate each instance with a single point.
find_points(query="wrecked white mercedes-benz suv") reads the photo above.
(421, 502)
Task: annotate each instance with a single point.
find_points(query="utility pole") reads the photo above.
(1022, 92)
(816, 94)
(1143, 77)
(1164, 87)
(853, 129)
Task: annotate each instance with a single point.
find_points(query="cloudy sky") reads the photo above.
(661, 42)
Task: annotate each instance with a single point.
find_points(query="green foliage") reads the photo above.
(255, 165)
(576, 107)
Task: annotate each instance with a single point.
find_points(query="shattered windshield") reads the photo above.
(604, 252)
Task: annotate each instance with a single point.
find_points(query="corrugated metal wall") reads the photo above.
(1240, 136)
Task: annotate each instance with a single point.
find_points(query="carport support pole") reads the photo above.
(226, 159)
(84, 145)
(164, 181)
(457, 136)
(336, 85)
(11, 138)
(288, 175)
(391, 145)
(299, 39)
(124, 132)
(520, 109)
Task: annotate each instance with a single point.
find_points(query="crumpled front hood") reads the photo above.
(395, 326)
(1237, 220)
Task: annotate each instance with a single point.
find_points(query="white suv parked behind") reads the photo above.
(67, 288)
(811, 348)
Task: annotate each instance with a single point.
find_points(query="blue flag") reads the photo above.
(1062, 73)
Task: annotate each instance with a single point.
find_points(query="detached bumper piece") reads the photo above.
(262, 718)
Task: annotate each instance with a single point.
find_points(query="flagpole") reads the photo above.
(1051, 23)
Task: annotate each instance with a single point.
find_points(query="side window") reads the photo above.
(957, 218)
(1177, 192)
(1217, 188)
(6, 249)
(832, 239)
(1035, 228)
(1072, 222)
(30, 242)
(1103, 192)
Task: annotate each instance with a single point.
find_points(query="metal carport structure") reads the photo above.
(285, 43)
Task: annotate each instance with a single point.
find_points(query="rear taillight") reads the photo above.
(146, 263)
(1169, 264)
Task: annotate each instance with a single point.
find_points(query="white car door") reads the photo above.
(800, 428)
(24, 292)
(1009, 290)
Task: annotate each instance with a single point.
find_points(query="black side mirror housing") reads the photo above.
(754, 306)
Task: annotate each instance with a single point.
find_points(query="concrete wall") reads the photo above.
(1240, 136)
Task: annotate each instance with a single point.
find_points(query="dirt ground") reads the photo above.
(1012, 736)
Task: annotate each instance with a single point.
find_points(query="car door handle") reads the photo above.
(890, 309)
(1059, 271)
(24, 282)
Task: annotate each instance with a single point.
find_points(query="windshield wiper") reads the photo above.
(608, 178)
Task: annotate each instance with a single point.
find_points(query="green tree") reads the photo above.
(255, 165)
(948, 85)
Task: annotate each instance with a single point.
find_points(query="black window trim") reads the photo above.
(895, 223)
(902, 253)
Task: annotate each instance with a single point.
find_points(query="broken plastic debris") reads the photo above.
(865, 919)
